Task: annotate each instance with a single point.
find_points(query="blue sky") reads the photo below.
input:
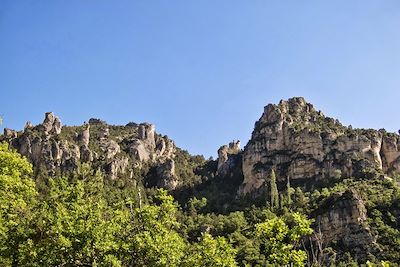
(201, 71)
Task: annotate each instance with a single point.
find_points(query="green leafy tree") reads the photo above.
(195, 205)
(17, 199)
(216, 252)
(152, 237)
(74, 227)
(279, 239)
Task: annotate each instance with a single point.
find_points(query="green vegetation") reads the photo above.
(84, 219)
(76, 222)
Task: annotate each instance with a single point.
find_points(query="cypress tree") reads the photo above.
(274, 191)
(289, 193)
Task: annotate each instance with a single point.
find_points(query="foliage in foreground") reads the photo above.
(74, 224)
(82, 220)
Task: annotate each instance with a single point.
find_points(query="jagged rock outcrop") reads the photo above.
(117, 167)
(10, 133)
(85, 136)
(86, 154)
(299, 142)
(138, 150)
(28, 126)
(51, 124)
(391, 153)
(110, 148)
(117, 150)
(342, 220)
(166, 173)
(228, 156)
(146, 134)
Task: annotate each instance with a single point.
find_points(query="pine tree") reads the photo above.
(274, 191)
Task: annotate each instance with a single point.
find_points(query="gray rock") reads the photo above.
(343, 218)
(25, 146)
(139, 151)
(86, 154)
(117, 167)
(49, 119)
(36, 150)
(146, 133)
(301, 143)
(167, 176)
(51, 124)
(85, 136)
(56, 126)
(104, 132)
(10, 134)
(111, 148)
(28, 126)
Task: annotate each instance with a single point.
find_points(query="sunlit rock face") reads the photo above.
(116, 150)
(299, 142)
(228, 156)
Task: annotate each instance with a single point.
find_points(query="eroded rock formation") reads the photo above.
(342, 220)
(167, 177)
(228, 156)
(299, 142)
(117, 150)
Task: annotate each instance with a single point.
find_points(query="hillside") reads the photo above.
(345, 181)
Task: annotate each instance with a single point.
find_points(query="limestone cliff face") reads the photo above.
(228, 158)
(342, 220)
(117, 150)
(299, 142)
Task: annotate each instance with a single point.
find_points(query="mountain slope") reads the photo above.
(345, 179)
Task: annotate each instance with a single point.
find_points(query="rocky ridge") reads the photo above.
(116, 150)
(302, 144)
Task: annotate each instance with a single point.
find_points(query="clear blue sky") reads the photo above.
(201, 71)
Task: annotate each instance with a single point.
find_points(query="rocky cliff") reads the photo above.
(342, 220)
(115, 150)
(301, 144)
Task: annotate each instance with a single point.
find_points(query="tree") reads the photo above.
(152, 237)
(210, 252)
(74, 226)
(17, 199)
(289, 192)
(279, 239)
(300, 200)
(195, 205)
(274, 191)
